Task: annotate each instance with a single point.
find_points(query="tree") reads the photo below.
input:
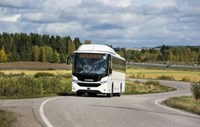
(70, 46)
(3, 55)
(14, 57)
(36, 53)
(163, 50)
(55, 57)
(77, 43)
(49, 53)
(170, 55)
(88, 42)
(43, 52)
(62, 58)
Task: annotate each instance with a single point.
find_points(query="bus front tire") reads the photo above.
(109, 95)
(79, 93)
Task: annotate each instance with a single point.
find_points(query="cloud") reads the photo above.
(131, 22)
(20, 3)
(13, 18)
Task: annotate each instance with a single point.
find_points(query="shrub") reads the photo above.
(137, 87)
(155, 83)
(7, 119)
(67, 75)
(164, 77)
(30, 86)
(11, 75)
(2, 74)
(195, 88)
(43, 74)
(185, 79)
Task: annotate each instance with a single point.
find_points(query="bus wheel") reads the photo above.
(79, 93)
(110, 94)
(92, 94)
(119, 94)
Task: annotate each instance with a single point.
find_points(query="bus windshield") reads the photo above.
(86, 63)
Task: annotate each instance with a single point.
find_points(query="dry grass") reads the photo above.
(137, 87)
(187, 103)
(33, 72)
(180, 75)
(6, 118)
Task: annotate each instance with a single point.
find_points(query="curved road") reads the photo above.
(124, 111)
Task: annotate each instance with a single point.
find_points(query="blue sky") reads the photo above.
(123, 23)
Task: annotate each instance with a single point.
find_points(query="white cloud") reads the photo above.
(72, 28)
(131, 22)
(117, 3)
(12, 18)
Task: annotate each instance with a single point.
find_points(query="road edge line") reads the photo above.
(157, 102)
(44, 118)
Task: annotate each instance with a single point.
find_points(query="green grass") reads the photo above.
(7, 118)
(187, 103)
(145, 88)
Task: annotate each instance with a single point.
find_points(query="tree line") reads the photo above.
(171, 54)
(46, 48)
(36, 47)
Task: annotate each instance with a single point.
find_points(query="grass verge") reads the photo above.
(187, 103)
(145, 88)
(7, 118)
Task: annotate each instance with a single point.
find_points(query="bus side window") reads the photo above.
(109, 66)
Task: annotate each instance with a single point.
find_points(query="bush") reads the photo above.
(67, 75)
(11, 75)
(2, 74)
(195, 88)
(7, 118)
(30, 86)
(43, 74)
(185, 79)
(137, 87)
(155, 83)
(164, 77)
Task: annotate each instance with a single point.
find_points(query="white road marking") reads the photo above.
(157, 102)
(44, 118)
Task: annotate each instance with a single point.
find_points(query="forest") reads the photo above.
(163, 54)
(36, 47)
(56, 49)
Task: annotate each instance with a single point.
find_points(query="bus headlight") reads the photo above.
(103, 82)
(75, 81)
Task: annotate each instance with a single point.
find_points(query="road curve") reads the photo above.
(124, 111)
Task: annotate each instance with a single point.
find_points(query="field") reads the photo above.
(164, 73)
(31, 68)
(133, 72)
(33, 72)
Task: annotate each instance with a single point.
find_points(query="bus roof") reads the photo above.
(97, 48)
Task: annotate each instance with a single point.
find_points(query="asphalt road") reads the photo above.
(124, 111)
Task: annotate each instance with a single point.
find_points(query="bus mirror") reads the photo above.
(68, 60)
(110, 70)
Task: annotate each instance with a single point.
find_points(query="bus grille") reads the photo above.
(89, 84)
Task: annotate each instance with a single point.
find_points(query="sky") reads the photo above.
(121, 23)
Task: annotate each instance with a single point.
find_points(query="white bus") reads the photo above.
(98, 69)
